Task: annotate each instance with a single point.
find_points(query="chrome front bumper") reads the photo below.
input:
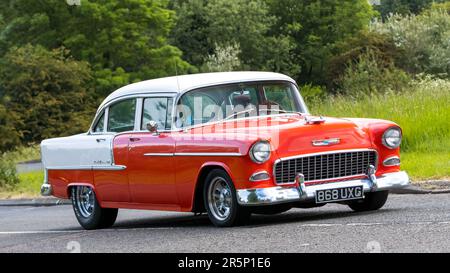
(277, 195)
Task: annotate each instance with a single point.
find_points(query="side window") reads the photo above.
(121, 116)
(193, 111)
(159, 110)
(100, 126)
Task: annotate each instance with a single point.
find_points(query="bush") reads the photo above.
(10, 137)
(8, 175)
(424, 41)
(224, 59)
(47, 93)
(367, 76)
(8, 161)
(351, 50)
(311, 92)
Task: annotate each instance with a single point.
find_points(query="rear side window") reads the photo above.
(100, 126)
(121, 116)
(159, 110)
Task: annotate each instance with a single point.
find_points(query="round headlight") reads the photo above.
(260, 152)
(392, 138)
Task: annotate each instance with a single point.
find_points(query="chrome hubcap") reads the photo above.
(85, 200)
(219, 198)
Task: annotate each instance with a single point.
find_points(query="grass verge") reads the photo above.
(28, 187)
(422, 112)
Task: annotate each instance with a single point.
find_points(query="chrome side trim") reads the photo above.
(102, 168)
(159, 154)
(209, 154)
(276, 195)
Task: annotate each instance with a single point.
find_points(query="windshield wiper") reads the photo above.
(284, 111)
(250, 110)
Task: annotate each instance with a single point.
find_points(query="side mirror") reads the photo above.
(152, 127)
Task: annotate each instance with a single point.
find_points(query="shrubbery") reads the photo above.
(8, 161)
(8, 175)
(369, 76)
(423, 41)
(46, 94)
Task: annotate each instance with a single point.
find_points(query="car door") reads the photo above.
(111, 183)
(151, 169)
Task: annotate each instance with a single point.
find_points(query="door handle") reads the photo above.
(134, 139)
(100, 140)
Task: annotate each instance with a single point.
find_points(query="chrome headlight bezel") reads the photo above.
(389, 136)
(258, 149)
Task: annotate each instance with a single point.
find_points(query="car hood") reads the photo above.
(292, 135)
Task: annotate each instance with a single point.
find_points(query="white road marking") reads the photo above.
(167, 228)
(38, 232)
(75, 231)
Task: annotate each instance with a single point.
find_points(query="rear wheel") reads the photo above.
(88, 211)
(221, 201)
(371, 201)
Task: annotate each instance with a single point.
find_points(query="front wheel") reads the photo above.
(372, 201)
(88, 211)
(221, 201)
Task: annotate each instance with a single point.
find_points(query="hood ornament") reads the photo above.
(314, 120)
(326, 142)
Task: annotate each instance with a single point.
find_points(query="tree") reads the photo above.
(10, 136)
(123, 40)
(203, 27)
(316, 26)
(403, 7)
(423, 41)
(225, 59)
(46, 93)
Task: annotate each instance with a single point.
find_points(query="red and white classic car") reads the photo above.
(230, 144)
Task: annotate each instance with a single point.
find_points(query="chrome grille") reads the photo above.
(325, 166)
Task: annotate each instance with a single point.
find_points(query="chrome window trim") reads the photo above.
(138, 114)
(323, 153)
(142, 95)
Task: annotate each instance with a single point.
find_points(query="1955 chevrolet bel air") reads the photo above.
(230, 144)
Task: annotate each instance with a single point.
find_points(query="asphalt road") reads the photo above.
(408, 223)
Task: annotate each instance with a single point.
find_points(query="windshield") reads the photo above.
(225, 102)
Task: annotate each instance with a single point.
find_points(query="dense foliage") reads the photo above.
(57, 62)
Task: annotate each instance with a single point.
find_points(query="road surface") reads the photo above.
(408, 223)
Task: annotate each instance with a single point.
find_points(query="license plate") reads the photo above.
(340, 194)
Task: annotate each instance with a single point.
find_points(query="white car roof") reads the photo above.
(181, 84)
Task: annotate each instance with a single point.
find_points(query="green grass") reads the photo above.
(423, 112)
(13, 185)
(28, 187)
